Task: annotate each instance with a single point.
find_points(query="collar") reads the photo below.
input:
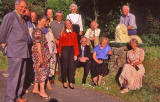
(68, 30)
(18, 14)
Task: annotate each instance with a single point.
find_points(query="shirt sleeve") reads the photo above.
(109, 48)
(76, 49)
(80, 23)
(87, 33)
(121, 20)
(142, 53)
(98, 32)
(95, 49)
(132, 20)
(5, 27)
(60, 44)
(68, 17)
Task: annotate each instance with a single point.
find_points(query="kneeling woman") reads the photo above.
(41, 58)
(133, 72)
(100, 57)
(68, 51)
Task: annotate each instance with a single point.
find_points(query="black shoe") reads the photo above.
(71, 87)
(65, 87)
(93, 84)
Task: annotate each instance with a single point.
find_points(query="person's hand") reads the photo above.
(80, 33)
(3, 45)
(57, 42)
(99, 61)
(93, 38)
(59, 55)
(75, 58)
(82, 59)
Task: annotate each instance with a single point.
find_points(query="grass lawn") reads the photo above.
(150, 91)
(151, 81)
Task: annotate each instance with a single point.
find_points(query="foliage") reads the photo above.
(62, 5)
(37, 5)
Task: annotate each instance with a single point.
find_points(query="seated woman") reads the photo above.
(133, 72)
(100, 57)
(92, 34)
(41, 58)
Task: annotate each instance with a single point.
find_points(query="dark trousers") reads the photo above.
(86, 66)
(15, 81)
(67, 64)
(29, 77)
(58, 64)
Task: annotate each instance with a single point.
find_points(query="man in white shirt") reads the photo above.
(92, 34)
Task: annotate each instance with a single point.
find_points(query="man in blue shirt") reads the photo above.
(129, 20)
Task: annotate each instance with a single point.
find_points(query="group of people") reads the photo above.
(44, 43)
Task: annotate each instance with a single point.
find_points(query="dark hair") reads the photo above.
(41, 16)
(47, 10)
(134, 40)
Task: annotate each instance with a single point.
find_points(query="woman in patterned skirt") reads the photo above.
(41, 58)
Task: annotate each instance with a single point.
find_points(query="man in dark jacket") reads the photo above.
(84, 58)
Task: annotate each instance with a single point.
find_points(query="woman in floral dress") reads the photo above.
(133, 71)
(41, 58)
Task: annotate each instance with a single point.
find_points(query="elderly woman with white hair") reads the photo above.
(76, 20)
(133, 71)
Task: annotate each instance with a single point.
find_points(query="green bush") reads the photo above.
(62, 5)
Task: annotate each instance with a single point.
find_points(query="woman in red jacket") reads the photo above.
(68, 51)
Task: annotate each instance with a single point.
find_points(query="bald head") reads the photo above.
(94, 25)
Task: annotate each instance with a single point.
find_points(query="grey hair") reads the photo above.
(19, 1)
(134, 40)
(59, 12)
(126, 7)
(73, 5)
(83, 37)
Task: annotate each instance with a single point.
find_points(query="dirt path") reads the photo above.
(60, 94)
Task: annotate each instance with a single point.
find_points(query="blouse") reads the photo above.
(76, 19)
(102, 53)
(69, 39)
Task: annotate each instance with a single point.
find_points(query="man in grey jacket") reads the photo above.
(14, 33)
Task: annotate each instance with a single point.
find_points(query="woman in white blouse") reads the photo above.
(76, 20)
(92, 34)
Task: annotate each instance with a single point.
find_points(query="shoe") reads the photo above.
(71, 86)
(46, 98)
(65, 87)
(125, 91)
(21, 100)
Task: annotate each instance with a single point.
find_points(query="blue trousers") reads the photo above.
(132, 32)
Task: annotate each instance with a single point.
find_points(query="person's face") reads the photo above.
(125, 10)
(27, 12)
(59, 17)
(73, 9)
(50, 13)
(133, 45)
(104, 42)
(42, 22)
(93, 25)
(21, 8)
(47, 23)
(68, 24)
(83, 41)
(33, 16)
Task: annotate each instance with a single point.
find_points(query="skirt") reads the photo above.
(99, 69)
